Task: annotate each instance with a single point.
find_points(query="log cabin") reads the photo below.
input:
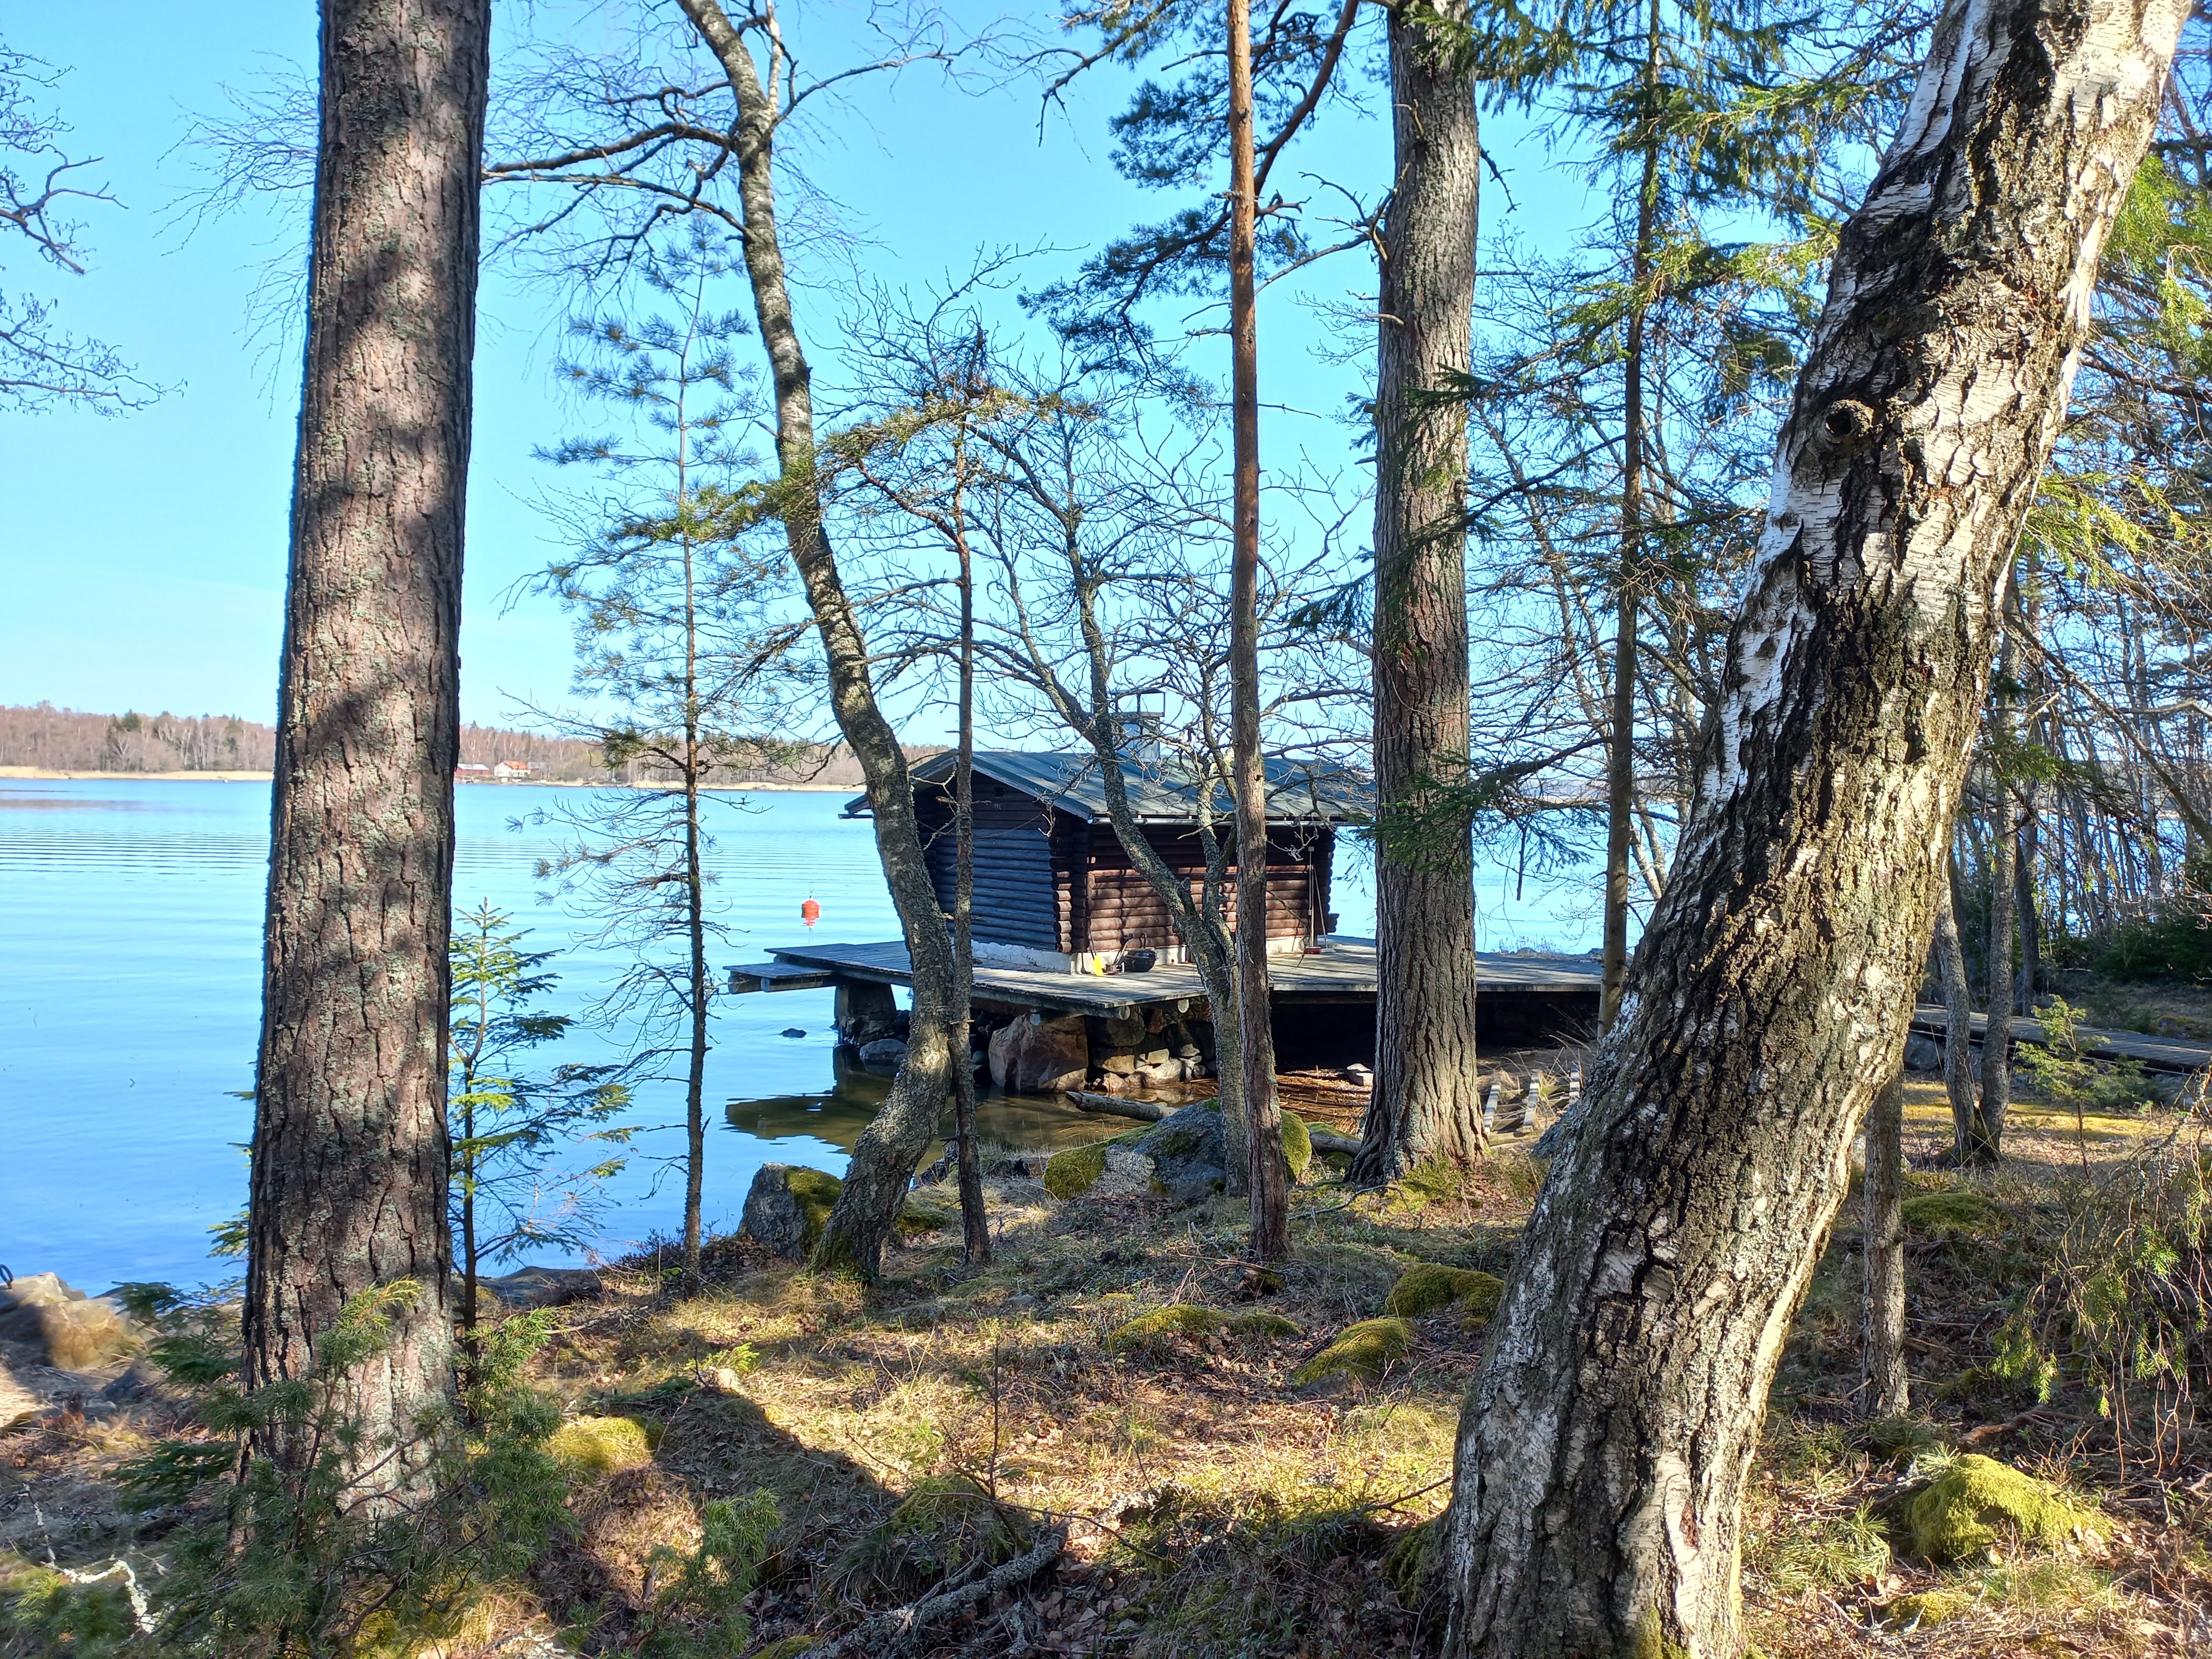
(1054, 887)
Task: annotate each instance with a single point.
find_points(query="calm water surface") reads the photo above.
(130, 991)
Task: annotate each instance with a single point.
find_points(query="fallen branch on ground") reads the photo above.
(888, 1632)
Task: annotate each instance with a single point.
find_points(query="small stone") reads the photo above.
(722, 1380)
(1118, 1064)
(1923, 1053)
(1358, 1074)
(793, 1031)
(883, 1051)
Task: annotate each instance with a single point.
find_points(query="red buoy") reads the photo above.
(810, 913)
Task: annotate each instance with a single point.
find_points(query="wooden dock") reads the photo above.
(2168, 1055)
(1342, 971)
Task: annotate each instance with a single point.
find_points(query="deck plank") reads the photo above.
(2098, 1042)
(1344, 970)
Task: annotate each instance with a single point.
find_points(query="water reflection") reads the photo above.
(1023, 1122)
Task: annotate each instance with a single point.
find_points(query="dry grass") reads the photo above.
(1216, 1510)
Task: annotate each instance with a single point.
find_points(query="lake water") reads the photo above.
(130, 986)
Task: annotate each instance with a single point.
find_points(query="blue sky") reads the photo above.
(143, 556)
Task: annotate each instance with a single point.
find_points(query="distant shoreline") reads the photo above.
(54, 775)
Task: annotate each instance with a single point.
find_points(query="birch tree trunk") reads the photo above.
(350, 1141)
(1425, 1102)
(1267, 1179)
(1604, 1446)
(1887, 1385)
(1958, 1025)
(884, 1157)
(1997, 1037)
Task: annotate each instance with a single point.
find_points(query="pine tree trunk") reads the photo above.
(1267, 1180)
(1958, 1025)
(1605, 1444)
(1997, 1037)
(1887, 1385)
(1620, 750)
(884, 1157)
(1425, 1102)
(975, 1224)
(350, 1143)
(695, 1089)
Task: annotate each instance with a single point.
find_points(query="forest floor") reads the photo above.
(946, 1416)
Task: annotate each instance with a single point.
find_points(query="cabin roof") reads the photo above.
(1298, 791)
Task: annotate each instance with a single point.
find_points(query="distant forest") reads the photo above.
(71, 741)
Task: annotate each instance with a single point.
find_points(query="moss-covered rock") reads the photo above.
(601, 1445)
(1162, 1325)
(1978, 1502)
(1952, 1215)
(946, 1524)
(1075, 1171)
(1360, 1354)
(787, 1207)
(1924, 1609)
(1429, 1285)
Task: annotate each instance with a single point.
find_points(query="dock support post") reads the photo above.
(865, 1011)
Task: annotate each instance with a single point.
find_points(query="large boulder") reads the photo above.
(1184, 1157)
(787, 1206)
(542, 1287)
(1055, 1055)
(71, 1331)
(1003, 1053)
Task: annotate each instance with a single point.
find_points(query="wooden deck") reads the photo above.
(1343, 971)
(2171, 1055)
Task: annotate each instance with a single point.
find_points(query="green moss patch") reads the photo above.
(1978, 1502)
(1298, 1144)
(1412, 1559)
(918, 1220)
(601, 1445)
(1429, 1285)
(1360, 1352)
(815, 1193)
(1952, 1215)
(1260, 1326)
(1434, 1180)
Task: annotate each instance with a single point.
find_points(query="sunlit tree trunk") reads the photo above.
(350, 1140)
(1620, 754)
(1882, 1225)
(1268, 1180)
(884, 1157)
(1605, 1444)
(1958, 1024)
(975, 1224)
(1424, 1102)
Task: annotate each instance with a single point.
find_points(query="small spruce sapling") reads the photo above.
(513, 1136)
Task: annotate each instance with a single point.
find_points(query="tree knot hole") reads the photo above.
(1845, 424)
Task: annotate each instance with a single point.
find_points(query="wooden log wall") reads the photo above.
(1022, 864)
(1123, 913)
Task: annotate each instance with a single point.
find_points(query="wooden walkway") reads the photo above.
(2171, 1055)
(1343, 971)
